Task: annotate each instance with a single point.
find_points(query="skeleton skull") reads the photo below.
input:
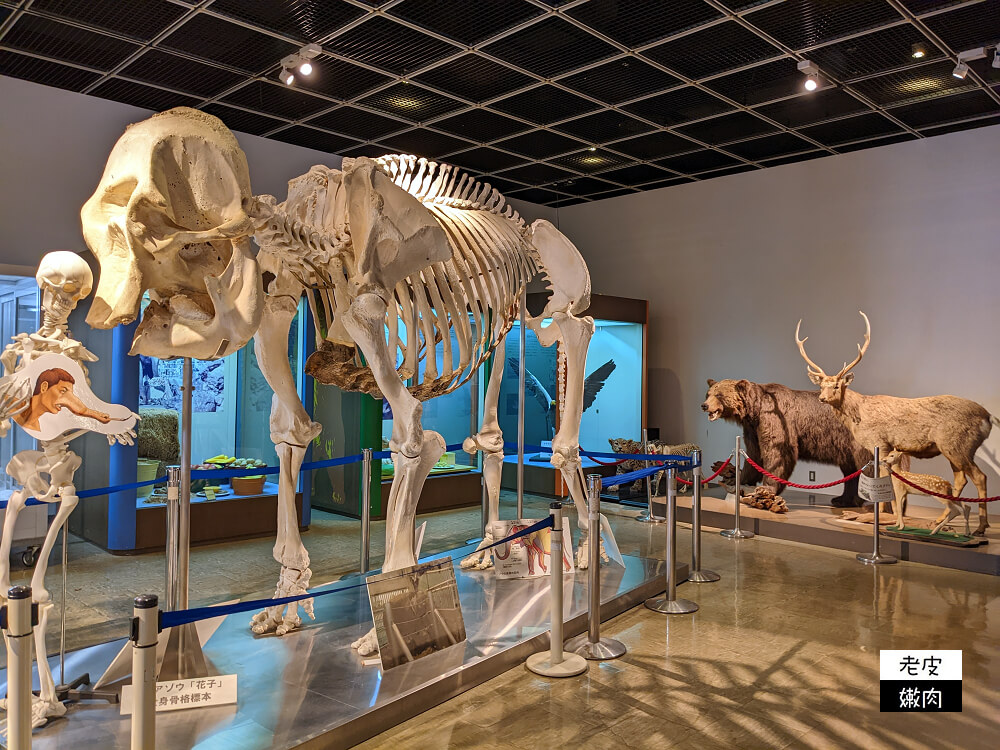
(170, 217)
(64, 278)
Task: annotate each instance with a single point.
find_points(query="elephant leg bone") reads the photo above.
(489, 440)
(291, 433)
(414, 452)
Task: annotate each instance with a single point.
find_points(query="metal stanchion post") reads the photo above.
(736, 532)
(670, 604)
(647, 515)
(876, 557)
(145, 633)
(556, 663)
(19, 620)
(522, 369)
(366, 509)
(173, 520)
(697, 575)
(62, 604)
(590, 645)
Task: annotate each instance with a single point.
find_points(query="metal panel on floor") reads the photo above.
(310, 690)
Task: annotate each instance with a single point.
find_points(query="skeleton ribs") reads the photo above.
(396, 256)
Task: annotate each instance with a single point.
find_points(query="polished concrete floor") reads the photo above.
(783, 653)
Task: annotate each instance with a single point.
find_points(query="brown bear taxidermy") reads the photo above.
(781, 426)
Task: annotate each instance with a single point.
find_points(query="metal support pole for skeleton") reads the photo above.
(183, 657)
(697, 575)
(736, 532)
(647, 515)
(590, 645)
(556, 663)
(876, 557)
(522, 369)
(145, 633)
(670, 604)
(19, 622)
(366, 509)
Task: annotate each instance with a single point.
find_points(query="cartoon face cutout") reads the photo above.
(61, 400)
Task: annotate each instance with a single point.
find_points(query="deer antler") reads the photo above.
(861, 349)
(814, 369)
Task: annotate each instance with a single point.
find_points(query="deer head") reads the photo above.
(831, 387)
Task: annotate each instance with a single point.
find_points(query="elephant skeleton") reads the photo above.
(394, 255)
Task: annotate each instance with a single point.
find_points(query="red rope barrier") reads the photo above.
(706, 481)
(769, 475)
(596, 460)
(945, 497)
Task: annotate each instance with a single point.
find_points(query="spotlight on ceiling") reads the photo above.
(919, 50)
(961, 70)
(811, 72)
(996, 58)
(299, 61)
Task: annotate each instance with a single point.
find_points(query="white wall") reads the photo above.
(909, 233)
(53, 147)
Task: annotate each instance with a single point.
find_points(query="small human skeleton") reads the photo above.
(64, 279)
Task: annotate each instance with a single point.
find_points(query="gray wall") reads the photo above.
(909, 233)
(53, 147)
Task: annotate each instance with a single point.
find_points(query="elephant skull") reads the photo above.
(170, 217)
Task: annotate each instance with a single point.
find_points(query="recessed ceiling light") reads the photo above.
(961, 70)
(592, 148)
(919, 50)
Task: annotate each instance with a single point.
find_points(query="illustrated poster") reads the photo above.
(527, 556)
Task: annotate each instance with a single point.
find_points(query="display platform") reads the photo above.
(311, 690)
(812, 520)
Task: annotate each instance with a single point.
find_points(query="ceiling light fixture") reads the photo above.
(811, 72)
(919, 50)
(964, 58)
(299, 61)
(996, 58)
(961, 71)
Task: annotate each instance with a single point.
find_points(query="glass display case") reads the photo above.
(18, 314)
(614, 389)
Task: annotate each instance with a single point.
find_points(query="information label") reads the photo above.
(878, 490)
(198, 692)
(912, 680)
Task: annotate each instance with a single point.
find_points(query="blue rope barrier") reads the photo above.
(631, 476)
(661, 457)
(185, 616)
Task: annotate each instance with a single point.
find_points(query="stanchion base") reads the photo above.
(703, 576)
(570, 666)
(879, 559)
(737, 534)
(606, 648)
(644, 517)
(676, 607)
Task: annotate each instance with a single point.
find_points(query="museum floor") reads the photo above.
(783, 653)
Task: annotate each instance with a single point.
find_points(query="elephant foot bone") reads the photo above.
(41, 710)
(583, 554)
(482, 558)
(367, 644)
(285, 618)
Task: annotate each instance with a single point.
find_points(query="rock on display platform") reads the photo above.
(309, 689)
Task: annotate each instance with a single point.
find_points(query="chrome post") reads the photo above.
(521, 377)
(647, 515)
(590, 645)
(366, 509)
(736, 532)
(697, 575)
(670, 604)
(20, 618)
(183, 657)
(556, 663)
(145, 634)
(173, 523)
(62, 603)
(876, 557)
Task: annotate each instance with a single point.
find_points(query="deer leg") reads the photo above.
(489, 440)
(414, 451)
(979, 479)
(952, 510)
(291, 432)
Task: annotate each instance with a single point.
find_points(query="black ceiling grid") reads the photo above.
(553, 101)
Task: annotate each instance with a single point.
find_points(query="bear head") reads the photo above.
(727, 399)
